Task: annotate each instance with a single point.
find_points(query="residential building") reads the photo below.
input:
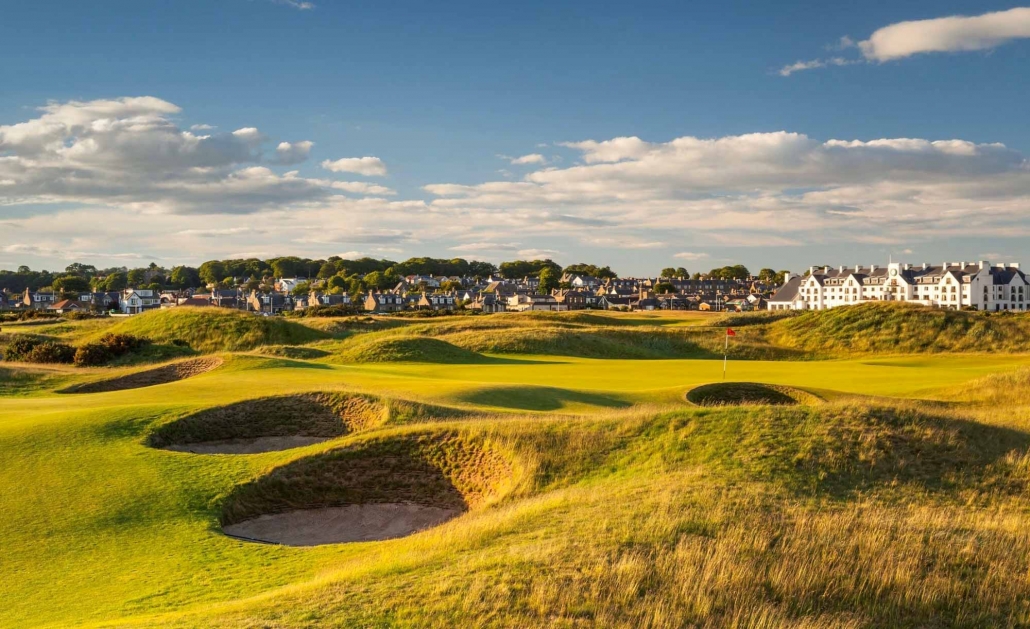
(436, 301)
(138, 300)
(385, 302)
(954, 285)
(525, 302)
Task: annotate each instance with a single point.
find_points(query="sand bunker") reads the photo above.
(150, 377)
(245, 446)
(334, 525)
(379, 489)
(271, 423)
(742, 393)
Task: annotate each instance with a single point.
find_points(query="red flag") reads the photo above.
(730, 332)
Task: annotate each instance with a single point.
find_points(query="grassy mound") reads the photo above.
(901, 328)
(740, 393)
(996, 389)
(843, 448)
(408, 349)
(321, 415)
(619, 343)
(436, 470)
(294, 352)
(216, 329)
(306, 415)
(149, 377)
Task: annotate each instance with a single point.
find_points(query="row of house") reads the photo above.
(491, 294)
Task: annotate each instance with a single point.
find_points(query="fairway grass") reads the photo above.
(587, 491)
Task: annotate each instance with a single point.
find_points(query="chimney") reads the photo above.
(1013, 265)
(872, 267)
(811, 270)
(907, 266)
(840, 269)
(963, 264)
(925, 265)
(826, 269)
(984, 263)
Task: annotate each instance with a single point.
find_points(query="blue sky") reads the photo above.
(447, 96)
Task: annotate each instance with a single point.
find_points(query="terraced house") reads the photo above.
(955, 285)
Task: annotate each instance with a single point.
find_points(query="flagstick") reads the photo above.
(725, 353)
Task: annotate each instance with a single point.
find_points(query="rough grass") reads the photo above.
(408, 349)
(738, 393)
(216, 329)
(627, 509)
(902, 329)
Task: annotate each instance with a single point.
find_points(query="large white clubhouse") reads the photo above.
(954, 285)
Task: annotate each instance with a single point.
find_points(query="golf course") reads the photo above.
(860, 467)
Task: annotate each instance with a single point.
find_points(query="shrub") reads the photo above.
(326, 311)
(109, 347)
(51, 352)
(27, 315)
(35, 350)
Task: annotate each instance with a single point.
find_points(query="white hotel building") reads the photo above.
(952, 285)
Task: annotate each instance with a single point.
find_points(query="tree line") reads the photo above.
(340, 275)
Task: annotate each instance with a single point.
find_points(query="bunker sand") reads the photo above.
(335, 525)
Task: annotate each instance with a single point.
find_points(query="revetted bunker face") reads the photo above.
(149, 377)
(744, 393)
(380, 489)
(271, 423)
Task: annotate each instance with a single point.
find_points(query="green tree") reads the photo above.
(302, 288)
(185, 277)
(664, 287)
(601, 272)
(116, 281)
(84, 270)
(548, 280)
(136, 277)
(668, 272)
(69, 284)
(767, 275)
(212, 271)
(681, 273)
(531, 268)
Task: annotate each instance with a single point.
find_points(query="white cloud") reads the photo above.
(128, 153)
(801, 66)
(226, 231)
(947, 34)
(201, 127)
(955, 33)
(689, 255)
(623, 242)
(293, 152)
(300, 5)
(367, 166)
(361, 187)
(754, 190)
(479, 247)
(537, 254)
(532, 158)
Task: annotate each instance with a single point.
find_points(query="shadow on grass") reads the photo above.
(532, 398)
